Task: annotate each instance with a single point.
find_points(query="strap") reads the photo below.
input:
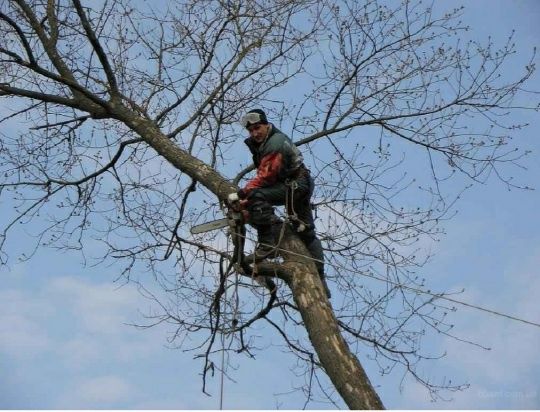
(292, 185)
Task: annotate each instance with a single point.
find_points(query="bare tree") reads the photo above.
(120, 125)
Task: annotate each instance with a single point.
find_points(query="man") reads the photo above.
(282, 179)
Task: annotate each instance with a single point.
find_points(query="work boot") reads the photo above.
(266, 244)
(263, 251)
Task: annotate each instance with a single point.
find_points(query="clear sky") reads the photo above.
(65, 341)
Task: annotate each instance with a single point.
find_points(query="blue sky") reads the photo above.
(66, 342)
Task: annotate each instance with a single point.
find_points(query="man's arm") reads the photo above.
(267, 173)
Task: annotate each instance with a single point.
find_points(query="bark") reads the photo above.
(342, 367)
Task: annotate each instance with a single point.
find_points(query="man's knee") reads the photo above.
(256, 195)
(260, 212)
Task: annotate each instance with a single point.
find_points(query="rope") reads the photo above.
(222, 377)
(237, 237)
(420, 291)
(289, 205)
(277, 248)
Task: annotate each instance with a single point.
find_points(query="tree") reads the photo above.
(128, 126)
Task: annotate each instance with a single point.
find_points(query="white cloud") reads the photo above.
(101, 314)
(75, 330)
(21, 337)
(99, 307)
(80, 321)
(104, 390)
(80, 352)
(506, 376)
(22, 333)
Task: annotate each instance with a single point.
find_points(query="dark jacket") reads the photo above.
(276, 158)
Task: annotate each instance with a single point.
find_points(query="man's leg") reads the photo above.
(314, 246)
(262, 217)
(302, 207)
(264, 220)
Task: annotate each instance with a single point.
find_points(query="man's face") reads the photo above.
(258, 131)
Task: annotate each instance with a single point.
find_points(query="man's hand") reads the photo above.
(233, 198)
(234, 202)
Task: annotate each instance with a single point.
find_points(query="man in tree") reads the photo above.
(106, 117)
(282, 179)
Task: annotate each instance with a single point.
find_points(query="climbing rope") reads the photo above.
(416, 290)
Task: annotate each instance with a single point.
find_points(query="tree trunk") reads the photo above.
(340, 364)
(343, 368)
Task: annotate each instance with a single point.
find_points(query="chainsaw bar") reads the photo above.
(208, 226)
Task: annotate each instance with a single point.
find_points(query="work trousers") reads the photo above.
(262, 214)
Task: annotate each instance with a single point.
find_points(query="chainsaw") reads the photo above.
(209, 226)
(234, 218)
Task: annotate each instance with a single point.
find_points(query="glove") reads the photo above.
(233, 198)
